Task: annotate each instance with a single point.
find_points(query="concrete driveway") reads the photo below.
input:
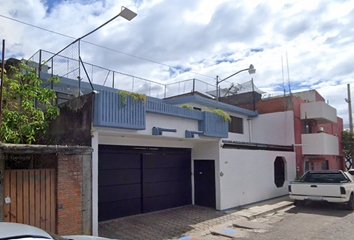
(166, 224)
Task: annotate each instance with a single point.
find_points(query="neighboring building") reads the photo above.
(317, 129)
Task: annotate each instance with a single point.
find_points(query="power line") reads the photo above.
(113, 50)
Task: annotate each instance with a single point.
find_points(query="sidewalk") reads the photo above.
(191, 222)
(240, 218)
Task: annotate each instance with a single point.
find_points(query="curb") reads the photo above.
(253, 212)
(277, 208)
(249, 213)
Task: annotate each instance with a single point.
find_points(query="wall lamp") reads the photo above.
(158, 131)
(190, 134)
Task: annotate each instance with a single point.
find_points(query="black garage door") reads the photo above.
(136, 180)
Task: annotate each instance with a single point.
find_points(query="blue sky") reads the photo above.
(306, 43)
(51, 3)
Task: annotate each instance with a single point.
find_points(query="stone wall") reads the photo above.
(73, 125)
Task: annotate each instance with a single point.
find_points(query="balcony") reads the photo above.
(319, 111)
(110, 112)
(319, 144)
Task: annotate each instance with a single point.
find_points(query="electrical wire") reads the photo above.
(96, 45)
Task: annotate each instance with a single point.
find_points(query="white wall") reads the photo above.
(94, 144)
(319, 144)
(318, 110)
(274, 128)
(248, 176)
(164, 121)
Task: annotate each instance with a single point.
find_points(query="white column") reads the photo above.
(94, 183)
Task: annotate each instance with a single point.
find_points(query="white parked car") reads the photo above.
(351, 171)
(329, 186)
(26, 232)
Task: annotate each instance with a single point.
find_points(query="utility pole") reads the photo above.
(349, 101)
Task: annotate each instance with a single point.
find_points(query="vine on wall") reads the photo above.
(222, 113)
(136, 97)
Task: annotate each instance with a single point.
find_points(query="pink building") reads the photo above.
(317, 129)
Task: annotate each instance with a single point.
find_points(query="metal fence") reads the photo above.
(68, 64)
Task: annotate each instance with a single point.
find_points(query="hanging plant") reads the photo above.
(222, 113)
(136, 97)
(187, 106)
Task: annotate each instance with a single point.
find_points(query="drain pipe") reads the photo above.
(249, 129)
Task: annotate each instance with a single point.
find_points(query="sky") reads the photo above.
(295, 45)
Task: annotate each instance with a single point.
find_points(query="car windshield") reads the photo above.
(324, 178)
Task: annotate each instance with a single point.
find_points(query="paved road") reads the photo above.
(315, 221)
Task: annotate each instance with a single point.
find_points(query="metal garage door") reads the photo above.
(136, 180)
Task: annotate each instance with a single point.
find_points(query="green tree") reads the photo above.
(27, 108)
(348, 148)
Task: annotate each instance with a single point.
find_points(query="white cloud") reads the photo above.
(203, 36)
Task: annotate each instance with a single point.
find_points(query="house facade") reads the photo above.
(317, 129)
(158, 155)
(155, 154)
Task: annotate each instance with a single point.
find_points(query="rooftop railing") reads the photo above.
(68, 66)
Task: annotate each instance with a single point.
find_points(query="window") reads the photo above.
(308, 128)
(196, 108)
(325, 165)
(308, 166)
(279, 171)
(236, 125)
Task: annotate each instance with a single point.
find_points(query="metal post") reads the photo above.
(91, 71)
(2, 78)
(52, 73)
(133, 85)
(193, 85)
(88, 78)
(350, 110)
(217, 92)
(254, 99)
(113, 80)
(40, 63)
(79, 77)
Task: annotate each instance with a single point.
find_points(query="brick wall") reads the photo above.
(69, 194)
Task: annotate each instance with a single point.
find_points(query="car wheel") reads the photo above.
(299, 203)
(350, 203)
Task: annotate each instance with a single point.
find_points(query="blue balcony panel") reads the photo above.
(213, 125)
(111, 112)
(167, 109)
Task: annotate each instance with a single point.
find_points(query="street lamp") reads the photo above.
(125, 13)
(250, 69)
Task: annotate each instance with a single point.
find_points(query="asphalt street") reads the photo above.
(315, 221)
